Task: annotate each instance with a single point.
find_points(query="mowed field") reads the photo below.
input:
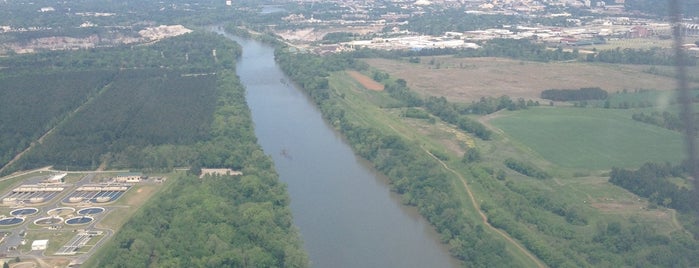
(469, 79)
(585, 138)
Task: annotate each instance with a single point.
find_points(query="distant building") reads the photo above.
(639, 32)
(133, 177)
(40, 244)
(219, 172)
(691, 29)
(58, 178)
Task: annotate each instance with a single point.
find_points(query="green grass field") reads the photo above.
(590, 138)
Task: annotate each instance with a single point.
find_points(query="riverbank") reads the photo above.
(344, 210)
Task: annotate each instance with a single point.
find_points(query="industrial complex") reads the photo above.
(50, 216)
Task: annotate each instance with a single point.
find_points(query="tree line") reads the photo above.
(441, 108)
(582, 94)
(651, 181)
(665, 120)
(652, 56)
(525, 49)
(526, 169)
(521, 49)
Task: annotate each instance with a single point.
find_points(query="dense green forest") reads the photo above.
(147, 106)
(30, 105)
(558, 230)
(217, 221)
(137, 110)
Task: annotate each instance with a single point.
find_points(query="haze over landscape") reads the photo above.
(429, 133)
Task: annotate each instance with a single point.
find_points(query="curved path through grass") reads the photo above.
(484, 217)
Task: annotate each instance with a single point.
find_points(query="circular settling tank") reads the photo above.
(11, 221)
(48, 221)
(24, 211)
(79, 220)
(62, 211)
(90, 211)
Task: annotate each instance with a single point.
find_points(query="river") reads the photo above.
(344, 209)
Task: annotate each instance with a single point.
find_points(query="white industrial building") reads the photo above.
(40, 244)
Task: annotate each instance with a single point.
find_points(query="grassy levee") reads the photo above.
(363, 108)
(574, 219)
(590, 139)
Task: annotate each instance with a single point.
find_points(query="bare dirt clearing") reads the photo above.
(469, 79)
(365, 81)
(306, 35)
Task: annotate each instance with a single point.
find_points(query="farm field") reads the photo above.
(469, 79)
(587, 138)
